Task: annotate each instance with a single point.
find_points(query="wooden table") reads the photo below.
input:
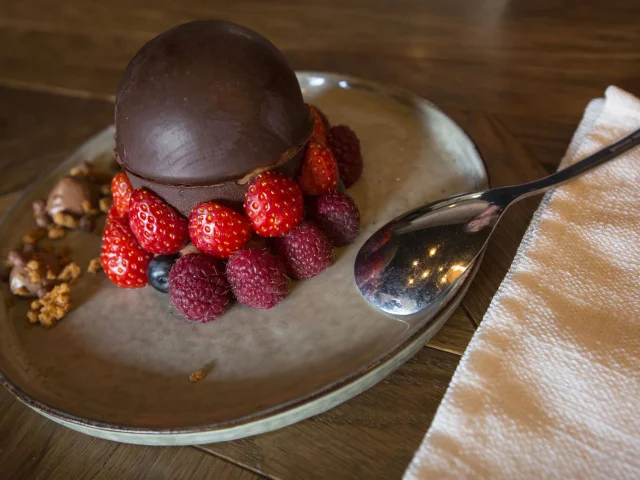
(515, 74)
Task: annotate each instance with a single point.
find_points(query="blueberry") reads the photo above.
(158, 272)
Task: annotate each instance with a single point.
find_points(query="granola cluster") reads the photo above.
(51, 308)
(35, 269)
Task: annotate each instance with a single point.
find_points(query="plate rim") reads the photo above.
(401, 352)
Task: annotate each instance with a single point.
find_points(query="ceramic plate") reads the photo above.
(118, 365)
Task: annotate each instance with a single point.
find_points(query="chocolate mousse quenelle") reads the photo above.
(218, 149)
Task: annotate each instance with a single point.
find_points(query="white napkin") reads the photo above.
(549, 386)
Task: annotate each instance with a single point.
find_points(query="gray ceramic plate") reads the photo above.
(117, 366)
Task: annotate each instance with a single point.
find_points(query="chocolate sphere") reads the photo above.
(205, 106)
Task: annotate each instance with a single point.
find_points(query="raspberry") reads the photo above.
(345, 146)
(198, 288)
(258, 279)
(306, 251)
(337, 215)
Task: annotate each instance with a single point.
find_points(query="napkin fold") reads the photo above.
(549, 386)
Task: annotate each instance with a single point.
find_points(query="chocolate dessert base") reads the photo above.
(231, 193)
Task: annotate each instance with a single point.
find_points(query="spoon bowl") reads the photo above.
(415, 262)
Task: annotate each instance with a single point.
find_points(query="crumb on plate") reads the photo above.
(94, 265)
(197, 376)
(65, 220)
(70, 272)
(56, 232)
(105, 203)
(34, 235)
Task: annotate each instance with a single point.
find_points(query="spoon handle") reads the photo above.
(598, 158)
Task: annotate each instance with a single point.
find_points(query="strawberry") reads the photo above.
(218, 230)
(273, 204)
(320, 124)
(114, 215)
(123, 259)
(319, 171)
(158, 227)
(121, 190)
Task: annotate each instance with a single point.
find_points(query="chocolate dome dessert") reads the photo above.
(204, 107)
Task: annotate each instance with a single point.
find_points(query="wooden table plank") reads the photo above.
(456, 334)
(371, 436)
(32, 447)
(38, 130)
(503, 57)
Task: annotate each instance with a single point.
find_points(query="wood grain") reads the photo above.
(498, 56)
(456, 334)
(371, 436)
(38, 130)
(32, 447)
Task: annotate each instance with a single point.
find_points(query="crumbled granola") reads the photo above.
(105, 189)
(65, 220)
(83, 169)
(87, 207)
(56, 232)
(105, 203)
(22, 291)
(197, 376)
(52, 307)
(32, 316)
(70, 272)
(51, 275)
(94, 265)
(34, 235)
(33, 270)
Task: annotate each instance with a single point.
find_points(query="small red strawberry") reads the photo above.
(121, 190)
(123, 259)
(258, 278)
(319, 171)
(114, 215)
(273, 204)
(158, 227)
(345, 146)
(217, 230)
(337, 215)
(306, 251)
(320, 124)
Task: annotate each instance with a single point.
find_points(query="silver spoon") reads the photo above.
(414, 263)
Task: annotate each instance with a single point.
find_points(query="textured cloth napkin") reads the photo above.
(549, 386)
